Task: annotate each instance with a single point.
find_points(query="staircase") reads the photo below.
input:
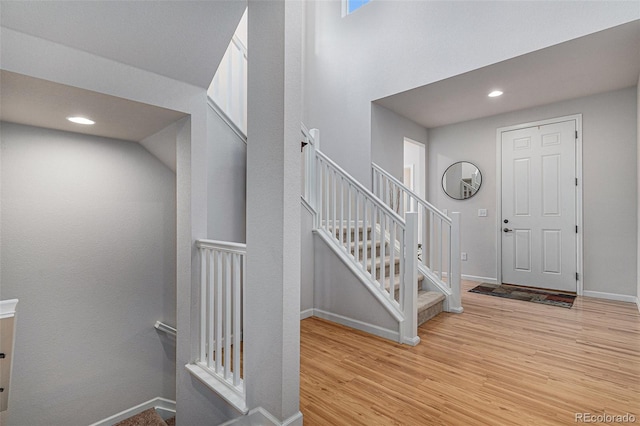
(376, 235)
(149, 417)
(429, 303)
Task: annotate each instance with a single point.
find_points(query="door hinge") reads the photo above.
(577, 276)
(576, 134)
(576, 229)
(576, 181)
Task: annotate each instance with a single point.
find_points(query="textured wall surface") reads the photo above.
(88, 246)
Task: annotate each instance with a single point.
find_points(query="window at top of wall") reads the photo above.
(350, 6)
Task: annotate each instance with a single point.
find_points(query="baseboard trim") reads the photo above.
(479, 279)
(260, 416)
(638, 302)
(306, 313)
(158, 403)
(610, 296)
(358, 325)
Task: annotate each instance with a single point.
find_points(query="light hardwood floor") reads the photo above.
(501, 362)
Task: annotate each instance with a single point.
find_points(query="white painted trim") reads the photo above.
(306, 205)
(228, 121)
(260, 416)
(395, 311)
(479, 279)
(157, 403)
(307, 313)
(218, 387)
(160, 326)
(580, 237)
(8, 308)
(411, 341)
(638, 303)
(610, 296)
(358, 325)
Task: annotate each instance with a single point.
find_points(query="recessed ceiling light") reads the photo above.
(495, 94)
(80, 120)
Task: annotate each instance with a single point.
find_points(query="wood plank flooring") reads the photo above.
(501, 362)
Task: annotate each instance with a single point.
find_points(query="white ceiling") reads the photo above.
(41, 103)
(600, 62)
(181, 39)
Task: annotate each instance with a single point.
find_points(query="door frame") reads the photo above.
(579, 240)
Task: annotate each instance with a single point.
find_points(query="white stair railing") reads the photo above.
(221, 317)
(439, 234)
(367, 232)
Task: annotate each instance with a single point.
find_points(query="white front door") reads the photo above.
(539, 206)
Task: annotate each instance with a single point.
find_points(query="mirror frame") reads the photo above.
(445, 173)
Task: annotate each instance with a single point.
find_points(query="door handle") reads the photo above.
(507, 230)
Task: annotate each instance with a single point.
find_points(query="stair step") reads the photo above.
(148, 417)
(429, 305)
(387, 268)
(352, 249)
(336, 232)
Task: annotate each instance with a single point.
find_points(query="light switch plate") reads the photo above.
(482, 212)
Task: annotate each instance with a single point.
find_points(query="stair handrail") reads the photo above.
(413, 195)
(219, 360)
(345, 209)
(362, 188)
(434, 269)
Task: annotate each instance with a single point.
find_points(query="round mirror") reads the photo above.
(461, 180)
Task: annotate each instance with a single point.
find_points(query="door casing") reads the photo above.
(579, 249)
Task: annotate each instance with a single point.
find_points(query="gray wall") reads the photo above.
(388, 131)
(88, 246)
(609, 185)
(57, 63)
(226, 181)
(338, 291)
(390, 46)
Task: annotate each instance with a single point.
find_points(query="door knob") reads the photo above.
(507, 230)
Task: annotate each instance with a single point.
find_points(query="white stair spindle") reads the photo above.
(237, 324)
(219, 315)
(203, 306)
(227, 316)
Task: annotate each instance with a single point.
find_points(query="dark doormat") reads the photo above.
(508, 291)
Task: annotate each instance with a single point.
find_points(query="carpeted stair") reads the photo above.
(148, 417)
(430, 303)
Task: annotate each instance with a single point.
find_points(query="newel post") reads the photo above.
(313, 178)
(455, 304)
(409, 328)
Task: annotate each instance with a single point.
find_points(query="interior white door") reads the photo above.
(539, 206)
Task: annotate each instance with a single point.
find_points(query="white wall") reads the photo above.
(415, 155)
(391, 46)
(88, 247)
(609, 185)
(388, 131)
(226, 181)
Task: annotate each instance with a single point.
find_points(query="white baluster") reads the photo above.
(209, 301)
(237, 324)
(218, 316)
(227, 316)
(203, 306)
